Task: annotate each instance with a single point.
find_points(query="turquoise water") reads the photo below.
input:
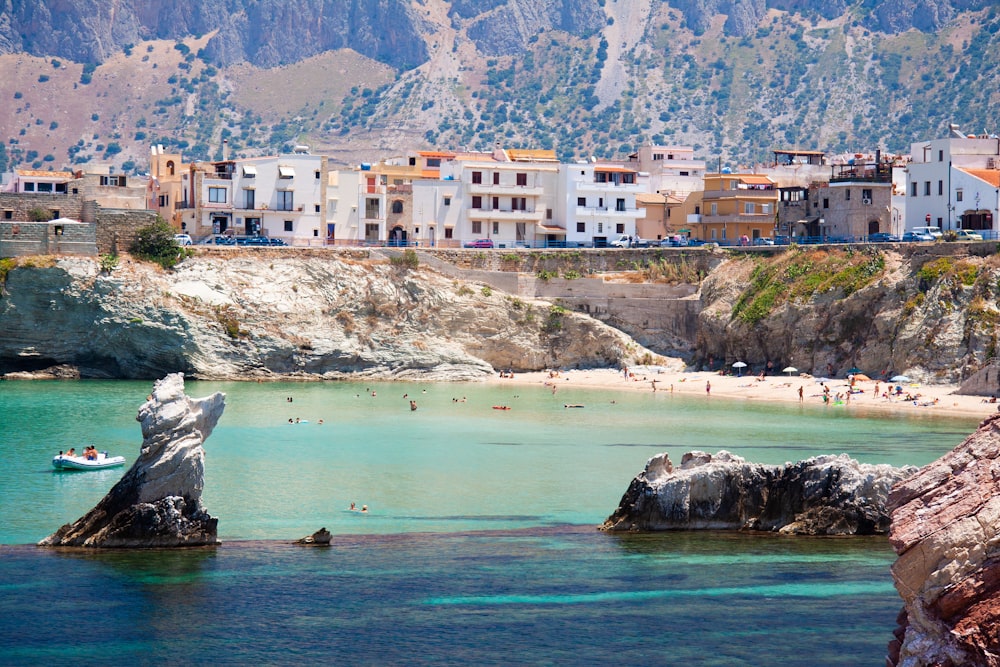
(480, 544)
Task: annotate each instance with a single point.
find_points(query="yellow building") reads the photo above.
(735, 206)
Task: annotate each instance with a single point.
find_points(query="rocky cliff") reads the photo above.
(273, 314)
(824, 495)
(946, 531)
(157, 503)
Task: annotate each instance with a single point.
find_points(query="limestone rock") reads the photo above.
(157, 503)
(824, 495)
(320, 538)
(946, 532)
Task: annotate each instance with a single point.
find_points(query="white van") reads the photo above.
(933, 231)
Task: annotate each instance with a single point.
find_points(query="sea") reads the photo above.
(480, 544)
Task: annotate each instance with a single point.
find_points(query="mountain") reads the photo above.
(363, 78)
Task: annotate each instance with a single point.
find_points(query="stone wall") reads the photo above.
(21, 239)
(17, 206)
(117, 227)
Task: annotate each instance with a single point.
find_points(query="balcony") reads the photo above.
(740, 194)
(505, 215)
(607, 211)
(505, 190)
(693, 218)
(592, 186)
(752, 218)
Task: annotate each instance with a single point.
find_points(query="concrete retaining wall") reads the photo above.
(21, 239)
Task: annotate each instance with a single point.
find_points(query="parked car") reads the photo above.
(183, 239)
(480, 243)
(626, 241)
(675, 241)
(967, 235)
(696, 242)
(910, 237)
(763, 240)
(278, 242)
(255, 241)
(883, 237)
(218, 239)
(933, 231)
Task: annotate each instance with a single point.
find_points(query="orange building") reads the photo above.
(734, 206)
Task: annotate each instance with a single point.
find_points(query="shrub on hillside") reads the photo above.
(156, 244)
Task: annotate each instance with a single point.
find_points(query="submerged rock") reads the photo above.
(824, 495)
(157, 503)
(320, 538)
(946, 532)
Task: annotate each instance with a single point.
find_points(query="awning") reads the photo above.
(552, 229)
(756, 180)
(249, 171)
(683, 231)
(286, 172)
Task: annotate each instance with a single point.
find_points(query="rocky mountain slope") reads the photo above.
(265, 315)
(583, 77)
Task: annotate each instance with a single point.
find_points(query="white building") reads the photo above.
(933, 175)
(281, 197)
(597, 201)
(672, 170)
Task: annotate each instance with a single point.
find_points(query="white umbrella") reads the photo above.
(739, 366)
(790, 370)
(899, 378)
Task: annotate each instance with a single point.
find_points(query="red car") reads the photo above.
(480, 243)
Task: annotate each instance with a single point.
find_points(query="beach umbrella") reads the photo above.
(790, 370)
(899, 378)
(854, 370)
(861, 377)
(739, 366)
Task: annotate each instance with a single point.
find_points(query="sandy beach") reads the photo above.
(939, 399)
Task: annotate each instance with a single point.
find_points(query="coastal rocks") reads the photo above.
(946, 532)
(157, 503)
(824, 495)
(321, 538)
(301, 316)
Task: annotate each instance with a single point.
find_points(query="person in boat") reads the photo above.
(91, 453)
(71, 452)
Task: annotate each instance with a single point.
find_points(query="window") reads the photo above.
(940, 188)
(371, 208)
(685, 173)
(45, 187)
(496, 227)
(30, 187)
(249, 171)
(170, 167)
(548, 214)
(927, 188)
(620, 228)
(286, 172)
(289, 226)
(477, 227)
(600, 228)
(61, 187)
(397, 206)
(913, 189)
(657, 156)
(477, 201)
(449, 232)
(826, 203)
(315, 232)
(748, 207)
(115, 181)
(581, 227)
(866, 193)
(317, 174)
(434, 162)
(958, 194)
(477, 177)
(581, 201)
(519, 204)
(496, 178)
(496, 203)
(714, 208)
(286, 200)
(619, 204)
(847, 194)
(316, 208)
(522, 180)
(628, 178)
(447, 201)
(249, 199)
(765, 209)
(940, 156)
(8, 214)
(55, 214)
(164, 200)
(217, 195)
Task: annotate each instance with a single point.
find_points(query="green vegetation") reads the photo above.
(554, 322)
(798, 275)
(108, 263)
(227, 318)
(156, 244)
(959, 272)
(7, 264)
(486, 291)
(407, 260)
(39, 214)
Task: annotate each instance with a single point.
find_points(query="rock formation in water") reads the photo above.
(824, 495)
(321, 538)
(157, 503)
(946, 532)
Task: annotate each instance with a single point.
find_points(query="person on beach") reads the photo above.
(800, 394)
(708, 388)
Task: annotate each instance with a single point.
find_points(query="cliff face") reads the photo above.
(267, 314)
(926, 311)
(824, 495)
(946, 531)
